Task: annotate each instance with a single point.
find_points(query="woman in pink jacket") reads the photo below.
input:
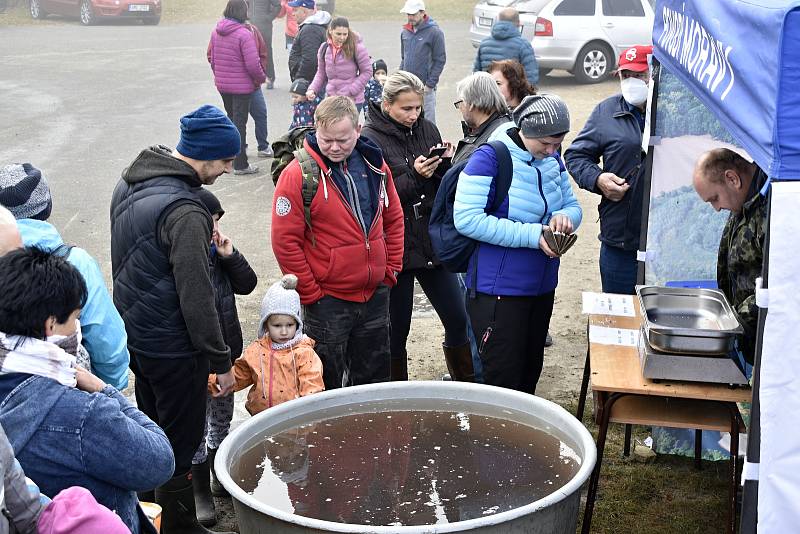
(343, 66)
(233, 54)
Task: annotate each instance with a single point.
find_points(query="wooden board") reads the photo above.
(616, 368)
(673, 413)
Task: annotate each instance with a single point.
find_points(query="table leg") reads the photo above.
(698, 449)
(584, 389)
(734, 410)
(591, 494)
(626, 450)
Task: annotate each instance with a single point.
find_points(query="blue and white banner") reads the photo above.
(742, 59)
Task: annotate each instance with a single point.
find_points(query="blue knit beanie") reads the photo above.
(208, 134)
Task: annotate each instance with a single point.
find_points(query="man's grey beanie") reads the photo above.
(281, 299)
(542, 116)
(24, 192)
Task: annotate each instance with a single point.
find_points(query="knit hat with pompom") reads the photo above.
(281, 299)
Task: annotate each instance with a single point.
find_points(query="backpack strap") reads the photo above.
(505, 172)
(310, 170)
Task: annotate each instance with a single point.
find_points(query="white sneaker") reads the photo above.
(250, 169)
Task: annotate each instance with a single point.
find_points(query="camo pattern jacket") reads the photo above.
(739, 262)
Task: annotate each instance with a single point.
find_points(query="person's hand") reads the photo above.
(426, 166)
(451, 149)
(224, 244)
(612, 186)
(544, 247)
(87, 381)
(311, 95)
(225, 383)
(561, 223)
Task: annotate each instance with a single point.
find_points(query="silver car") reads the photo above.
(585, 37)
(485, 14)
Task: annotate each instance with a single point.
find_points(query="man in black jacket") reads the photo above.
(160, 238)
(613, 134)
(312, 33)
(264, 14)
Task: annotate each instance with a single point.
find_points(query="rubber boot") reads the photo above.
(217, 489)
(399, 368)
(203, 501)
(459, 362)
(176, 499)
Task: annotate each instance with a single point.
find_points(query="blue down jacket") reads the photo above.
(507, 43)
(508, 261)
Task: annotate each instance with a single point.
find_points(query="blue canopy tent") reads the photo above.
(741, 58)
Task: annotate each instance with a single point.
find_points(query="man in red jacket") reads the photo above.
(349, 255)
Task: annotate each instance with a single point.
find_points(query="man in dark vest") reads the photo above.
(160, 235)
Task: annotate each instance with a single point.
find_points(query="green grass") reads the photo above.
(665, 496)
(189, 11)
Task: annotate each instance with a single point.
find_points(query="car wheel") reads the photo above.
(594, 63)
(152, 21)
(36, 10)
(87, 14)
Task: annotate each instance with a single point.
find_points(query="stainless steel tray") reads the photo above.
(688, 320)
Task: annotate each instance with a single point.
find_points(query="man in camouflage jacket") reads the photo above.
(727, 181)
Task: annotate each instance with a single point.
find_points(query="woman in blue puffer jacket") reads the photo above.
(513, 274)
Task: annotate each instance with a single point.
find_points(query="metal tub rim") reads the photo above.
(561, 420)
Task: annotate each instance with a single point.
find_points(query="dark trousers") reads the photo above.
(237, 107)
(264, 25)
(172, 392)
(352, 338)
(443, 292)
(511, 332)
(618, 270)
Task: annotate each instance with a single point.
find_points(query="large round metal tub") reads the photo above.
(555, 513)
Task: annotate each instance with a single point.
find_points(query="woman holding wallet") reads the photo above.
(412, 147)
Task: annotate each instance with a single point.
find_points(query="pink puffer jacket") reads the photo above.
(340, 76)
(233, 55)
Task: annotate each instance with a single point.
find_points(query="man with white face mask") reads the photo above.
(613, 133)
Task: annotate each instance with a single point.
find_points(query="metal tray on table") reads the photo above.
(688, 320)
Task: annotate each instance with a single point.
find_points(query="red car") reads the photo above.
(91, 11)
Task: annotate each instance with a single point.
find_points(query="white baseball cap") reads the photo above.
(413, 6)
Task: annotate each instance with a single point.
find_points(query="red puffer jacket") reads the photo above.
(233, 55)
(340, 261)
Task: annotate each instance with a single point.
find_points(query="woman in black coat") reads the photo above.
(406, 138)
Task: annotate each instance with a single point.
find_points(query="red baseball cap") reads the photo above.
(635, 58)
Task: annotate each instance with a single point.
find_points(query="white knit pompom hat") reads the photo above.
(281, 299)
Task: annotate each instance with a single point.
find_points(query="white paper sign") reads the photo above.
(604, 335)
(608, 304)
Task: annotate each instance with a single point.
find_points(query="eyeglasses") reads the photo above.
(457, 103)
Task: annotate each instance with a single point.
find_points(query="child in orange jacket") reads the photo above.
(281, 364)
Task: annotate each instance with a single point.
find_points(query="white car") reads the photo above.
(485, 14)
(585, 37)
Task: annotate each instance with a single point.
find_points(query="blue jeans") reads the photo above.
(429, 104)
(618, 270)
(258, 110)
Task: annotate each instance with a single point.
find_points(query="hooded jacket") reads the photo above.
(231, 276)
(401, 146)
(160, 236)
(17, 500)
(349, 249)
(422, 51)
(339, 75)
(101, 325)
(507, 43)
(612, 133)
(66, 437)
(234, 59)
(508, 261)
(303, 55)
(276, 376)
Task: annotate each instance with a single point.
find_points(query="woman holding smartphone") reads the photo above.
(412, 147)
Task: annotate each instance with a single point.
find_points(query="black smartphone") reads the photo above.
(437, 151)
